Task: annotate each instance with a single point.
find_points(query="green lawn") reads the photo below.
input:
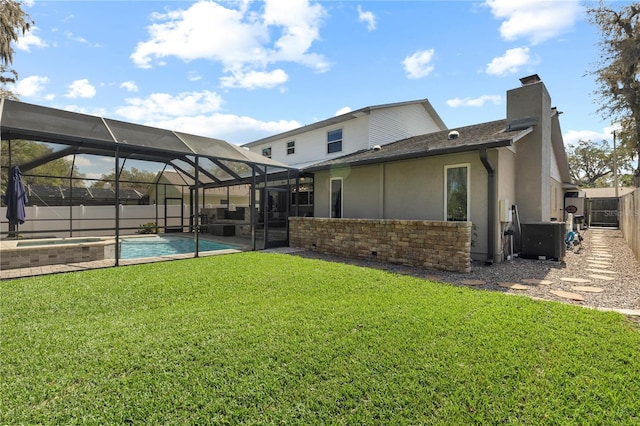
(259, 338)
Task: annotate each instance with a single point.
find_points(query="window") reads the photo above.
(334, 141)
(336, 198)
(302, 198)
(456, 192)
(266, 152)
(291, 147)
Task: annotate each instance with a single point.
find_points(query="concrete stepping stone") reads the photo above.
(588, 289)
(603, 255)
(536, 281)
(600, 271)
(575, 280)
(568, 295)
(599, 262)
(513, 286)
(602, 277)
(599, 266)
(473, 282)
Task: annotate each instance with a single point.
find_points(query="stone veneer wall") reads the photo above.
(417, 243)
(29, 257)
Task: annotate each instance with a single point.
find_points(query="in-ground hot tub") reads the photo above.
(53, 251)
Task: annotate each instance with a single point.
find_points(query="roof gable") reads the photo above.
(347, 117)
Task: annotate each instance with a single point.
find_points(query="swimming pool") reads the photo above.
(155, 246)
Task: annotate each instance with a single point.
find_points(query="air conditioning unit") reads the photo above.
(543, 240)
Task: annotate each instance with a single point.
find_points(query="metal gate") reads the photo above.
(604, 212)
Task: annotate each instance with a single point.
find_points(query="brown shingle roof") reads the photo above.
(470, 138)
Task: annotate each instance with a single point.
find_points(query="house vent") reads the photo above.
(377, 147)
(454, 134)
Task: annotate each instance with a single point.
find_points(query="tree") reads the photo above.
(134, 178)
(14, 22)
(618, 72)
(23, 151)
(591, 164)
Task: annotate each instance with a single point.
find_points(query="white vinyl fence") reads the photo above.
(44, 222)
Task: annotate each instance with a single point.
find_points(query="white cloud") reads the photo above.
(534, 20)
(79, 161)
(474, 102)
(343, 110)
(100, 112)
(512, 61)
(228, 127)
(419, 64)
(131, 86)
(80, 39)
(199, 113)
(255, 79)
(299, 25)
(81, 89)
(367, 17)
(163, 106)
(30, 86)
(30, 39)
(194, 33)
(194, 76)
(573, 136)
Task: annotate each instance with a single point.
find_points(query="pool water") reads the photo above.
(136, 248)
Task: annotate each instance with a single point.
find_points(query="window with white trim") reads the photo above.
(334, 141)
(335, 198)
(456, 192)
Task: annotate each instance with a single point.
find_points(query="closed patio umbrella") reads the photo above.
(15, 198)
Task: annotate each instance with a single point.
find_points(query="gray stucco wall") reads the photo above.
(533, 160)
(408, 190)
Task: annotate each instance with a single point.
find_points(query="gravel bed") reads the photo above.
(620, 293)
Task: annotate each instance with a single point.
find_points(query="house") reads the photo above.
(473, 173)
(49, 195)
(348, 133)
(173, 187)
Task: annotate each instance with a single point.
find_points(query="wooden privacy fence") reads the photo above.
(630, 220)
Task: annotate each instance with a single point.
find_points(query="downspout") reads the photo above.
(196, 210)
(491, 191)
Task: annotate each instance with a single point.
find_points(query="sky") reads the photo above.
(243, 70)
